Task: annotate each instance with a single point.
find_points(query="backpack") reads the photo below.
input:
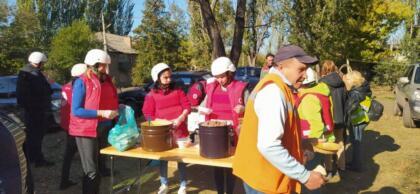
(373, 108)
(196, 93)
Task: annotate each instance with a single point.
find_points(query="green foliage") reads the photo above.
(225, 16)
(17, 40)
(196, 50)
(156, 40)
(338, 30)
(69, 47)
(262, 17)
(4, 12)
(387, 73)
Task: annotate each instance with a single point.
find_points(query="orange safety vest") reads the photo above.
(249, 164)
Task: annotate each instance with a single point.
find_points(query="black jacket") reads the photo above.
(33, 90)
(355, 96)
(338, 95)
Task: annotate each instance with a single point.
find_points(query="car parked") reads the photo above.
(184, 79)
(407, 96)
(8, 98)
(251, 75)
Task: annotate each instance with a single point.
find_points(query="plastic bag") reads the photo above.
(125, 134)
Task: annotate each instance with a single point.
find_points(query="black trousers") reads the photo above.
(89, 154)
(219, 178)
(69, 151)
(36, 125)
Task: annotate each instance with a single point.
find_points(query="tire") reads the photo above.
(397, 110)
(407, 119)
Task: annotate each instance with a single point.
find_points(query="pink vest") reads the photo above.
(235, 92)
(65, 106)
(168, 106)
(326, 114)
(109, 97)
(86, 127)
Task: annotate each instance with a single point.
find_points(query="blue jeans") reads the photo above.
(250, 190)
(356, 135)
(164, 173)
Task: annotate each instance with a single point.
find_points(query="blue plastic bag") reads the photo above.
(125, 134)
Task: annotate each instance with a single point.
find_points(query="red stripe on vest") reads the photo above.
(325, 113)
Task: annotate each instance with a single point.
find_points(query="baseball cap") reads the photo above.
(293, 51)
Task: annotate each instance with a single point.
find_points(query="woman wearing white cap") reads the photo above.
(71, 148)
(225, 98)
(165, 101)
(94, 105)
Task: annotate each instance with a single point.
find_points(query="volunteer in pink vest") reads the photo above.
(94, 105)
(71, 148)
(165, 101)
(225, 98)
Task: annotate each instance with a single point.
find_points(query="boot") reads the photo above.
(90, 185)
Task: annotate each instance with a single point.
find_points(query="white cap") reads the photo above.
(37, 57)
(310, 76)
(221, 65)
(78, 69)
(157, 69)
(97, 56)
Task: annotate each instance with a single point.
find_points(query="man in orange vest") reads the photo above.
(269, 153)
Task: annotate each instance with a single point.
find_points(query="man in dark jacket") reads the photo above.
(34, 95)
(338, 95)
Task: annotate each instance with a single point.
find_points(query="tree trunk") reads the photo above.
(238, 34)
(212, 29)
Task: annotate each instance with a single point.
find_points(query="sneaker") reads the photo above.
(163, 189)
(182, 190)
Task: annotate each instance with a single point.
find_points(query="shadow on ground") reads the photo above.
(355, 182)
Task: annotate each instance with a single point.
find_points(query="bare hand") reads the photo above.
(108, 114)
(239, 109)
(315, 181)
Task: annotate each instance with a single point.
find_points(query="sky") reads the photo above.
(139, 6)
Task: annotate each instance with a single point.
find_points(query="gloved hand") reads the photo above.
(108, 114)
(239, 109)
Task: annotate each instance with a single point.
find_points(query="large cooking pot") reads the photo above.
(215, 138)
(156, 136)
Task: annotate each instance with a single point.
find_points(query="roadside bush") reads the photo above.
(387, 73)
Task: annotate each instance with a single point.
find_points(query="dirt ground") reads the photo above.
(392, 164)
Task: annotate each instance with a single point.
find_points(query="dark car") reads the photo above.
(135, 97)
(8, 98)
(251, 75)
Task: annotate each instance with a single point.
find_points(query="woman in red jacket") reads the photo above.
(94, 105)
(71, 147)
(225, 99)
(165, 101)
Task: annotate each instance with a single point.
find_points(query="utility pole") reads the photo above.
(103, 32)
